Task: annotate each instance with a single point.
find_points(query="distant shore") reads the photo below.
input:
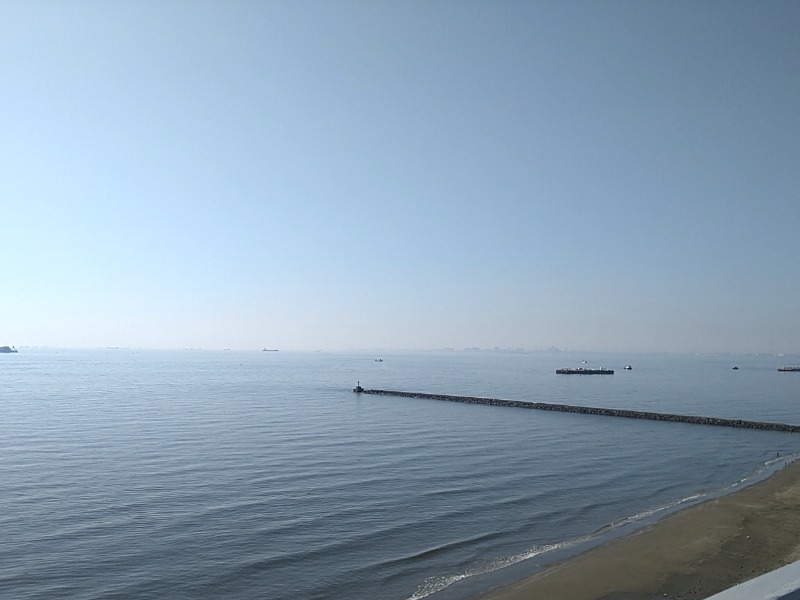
(689, 555)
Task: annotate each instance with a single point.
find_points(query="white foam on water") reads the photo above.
(433, 585)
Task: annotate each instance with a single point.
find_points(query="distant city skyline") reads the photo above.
(596, 176)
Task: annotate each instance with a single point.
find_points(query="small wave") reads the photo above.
(645, 514)
(433, 585)
(788, 458)
(428, 552)
(769, 468)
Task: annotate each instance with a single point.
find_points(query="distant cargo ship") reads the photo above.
(789, 369)
(584, 371)
(7, 349)
(269, 349)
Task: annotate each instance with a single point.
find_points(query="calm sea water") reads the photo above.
(260, 475)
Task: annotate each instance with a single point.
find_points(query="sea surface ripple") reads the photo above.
(249, 475)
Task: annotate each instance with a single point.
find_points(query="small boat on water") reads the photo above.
(7, 350)
(378, 360)
(628, 367)
(789, 369)
(585, 371)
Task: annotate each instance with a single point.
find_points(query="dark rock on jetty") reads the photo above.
(584, 371)
(588, 410)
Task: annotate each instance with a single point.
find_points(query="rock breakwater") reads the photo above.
(589, 410)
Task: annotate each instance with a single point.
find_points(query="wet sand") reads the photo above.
(690, 555)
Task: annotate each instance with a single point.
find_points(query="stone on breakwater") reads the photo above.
(589, 410)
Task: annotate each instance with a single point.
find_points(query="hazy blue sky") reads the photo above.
(595, 175)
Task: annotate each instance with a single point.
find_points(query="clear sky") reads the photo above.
(614, 175)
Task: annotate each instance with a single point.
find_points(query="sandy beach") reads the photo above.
(690, 555)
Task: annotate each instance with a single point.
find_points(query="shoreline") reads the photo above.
(690, 554)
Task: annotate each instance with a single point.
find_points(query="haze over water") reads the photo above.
(199, 474)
